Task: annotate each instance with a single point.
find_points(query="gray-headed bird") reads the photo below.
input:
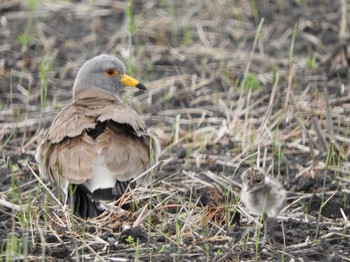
(97, 146)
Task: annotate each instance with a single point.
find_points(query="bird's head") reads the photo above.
(253, 179)
(105, 72)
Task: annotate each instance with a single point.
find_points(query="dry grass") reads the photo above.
(223, 96)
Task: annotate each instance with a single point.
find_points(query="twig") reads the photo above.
(46, 188)
(12, 206)
(321, 137)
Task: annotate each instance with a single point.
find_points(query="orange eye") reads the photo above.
(110, 72)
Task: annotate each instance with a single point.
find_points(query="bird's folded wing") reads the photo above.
(86, 110)
(68, 153)
(124, 155)
(70, 160)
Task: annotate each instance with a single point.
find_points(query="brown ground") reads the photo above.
(218, 102)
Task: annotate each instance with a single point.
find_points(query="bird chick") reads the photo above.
(261, 195)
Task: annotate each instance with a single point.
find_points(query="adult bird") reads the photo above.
(97, 146)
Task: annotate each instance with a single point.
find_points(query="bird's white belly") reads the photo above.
(102, 177)
(250, 203)
(257, 202)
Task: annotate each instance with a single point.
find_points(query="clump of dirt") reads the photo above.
(134, 235)
(331, 205)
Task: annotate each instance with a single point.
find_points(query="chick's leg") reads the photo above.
(266, 238)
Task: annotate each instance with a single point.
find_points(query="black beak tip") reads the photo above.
(141, 86)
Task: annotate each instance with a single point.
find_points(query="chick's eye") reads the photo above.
(110, 72)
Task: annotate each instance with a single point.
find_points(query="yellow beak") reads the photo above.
(129, 81)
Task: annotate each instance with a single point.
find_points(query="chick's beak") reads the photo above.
(249, 187)
(129, 81)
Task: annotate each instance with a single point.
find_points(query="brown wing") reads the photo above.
(126, 156)
(88, 107)
(68, 153)
(71, 159)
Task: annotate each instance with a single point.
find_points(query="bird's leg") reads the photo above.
(266, 238)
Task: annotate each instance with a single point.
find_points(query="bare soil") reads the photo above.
(218, 102)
